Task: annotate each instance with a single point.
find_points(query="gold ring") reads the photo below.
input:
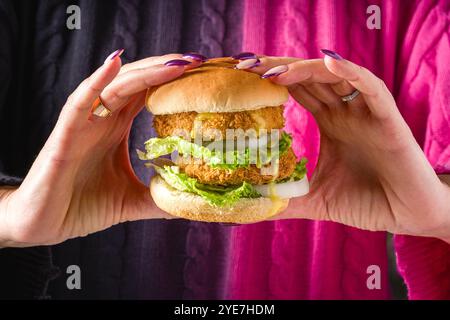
(99, 109)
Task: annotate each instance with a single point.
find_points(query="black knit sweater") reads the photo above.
(41, 63)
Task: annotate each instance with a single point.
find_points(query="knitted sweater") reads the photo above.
(323, 260)
(41, 63)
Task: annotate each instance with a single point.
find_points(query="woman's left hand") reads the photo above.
(371, 172)
(82, 180)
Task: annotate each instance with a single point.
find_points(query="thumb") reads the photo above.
(304, 207)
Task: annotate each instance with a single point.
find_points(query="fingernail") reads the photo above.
(276, 71)
(195, 56)
(332, 54)
(248, 64)
(244, 56)
(177, 62)
(115, 54)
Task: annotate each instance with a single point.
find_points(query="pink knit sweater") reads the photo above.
(323, 260)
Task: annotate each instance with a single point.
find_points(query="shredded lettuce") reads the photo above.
(157, 147)
(238, 159)
(243, 159)
(285, 142)
(219, 195)
(299, 172)
(214, 195)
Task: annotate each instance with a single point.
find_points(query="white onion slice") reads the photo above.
(290, 189)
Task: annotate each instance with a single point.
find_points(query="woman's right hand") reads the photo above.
(82, 180)
(371, 173)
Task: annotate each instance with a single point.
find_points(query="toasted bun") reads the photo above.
(215, 86)
(190, 206)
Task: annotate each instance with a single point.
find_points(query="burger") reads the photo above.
(221, 154)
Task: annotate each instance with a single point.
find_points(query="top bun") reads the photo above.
(215, 86)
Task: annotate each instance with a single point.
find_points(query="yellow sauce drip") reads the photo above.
(204, 116)
(259, 120)
(196, 128)
(277, 202)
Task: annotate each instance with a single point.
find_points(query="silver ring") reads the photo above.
(351, 96)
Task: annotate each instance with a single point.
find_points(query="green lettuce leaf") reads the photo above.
(214, 195)
(299, 172)
(243, 159)
(239, 159)
(285, 142)
(157, 147)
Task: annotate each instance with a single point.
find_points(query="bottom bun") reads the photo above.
(193, 207)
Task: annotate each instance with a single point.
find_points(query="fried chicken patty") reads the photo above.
(213, 125)
(217, 176)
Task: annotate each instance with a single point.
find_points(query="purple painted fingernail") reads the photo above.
(195, 56)
(114, 55)
(177, 62)
(332, 54)
(244, 56)
(276, 71)
(248, 64)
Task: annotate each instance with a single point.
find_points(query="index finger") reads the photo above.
(152, 61)
(305, 71)
(268, 62)
(148, 62)
(118, 92)
(296, 70)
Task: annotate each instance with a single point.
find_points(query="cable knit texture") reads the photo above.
(211, 34)
(201, 263)
(424, 98)
(41, 63)
(323, 260)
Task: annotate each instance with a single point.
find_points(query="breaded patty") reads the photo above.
(217, 176)
(264, 118)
